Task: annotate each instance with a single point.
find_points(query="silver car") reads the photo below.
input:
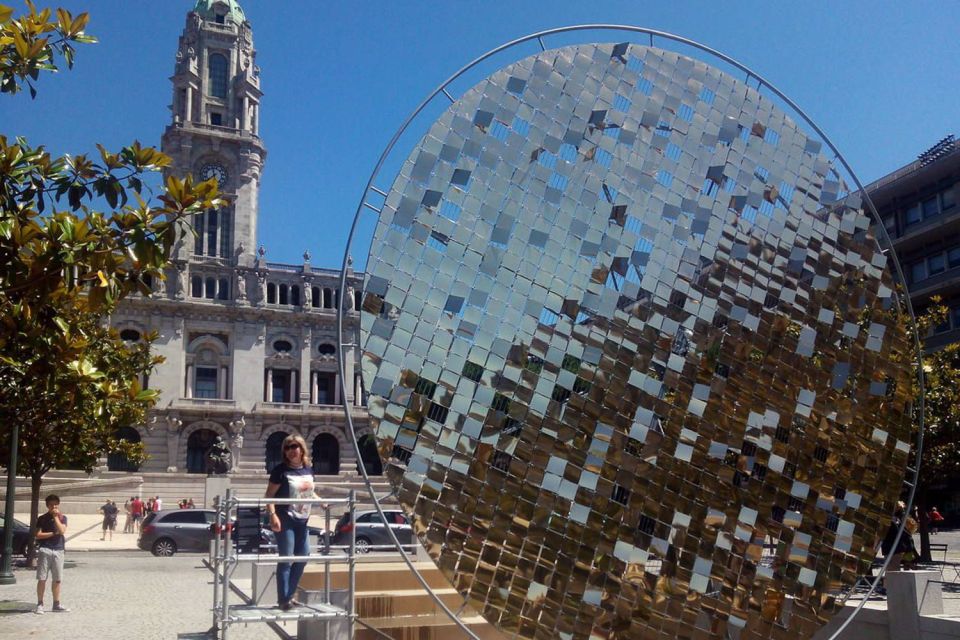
(165, 532)
(371, 533)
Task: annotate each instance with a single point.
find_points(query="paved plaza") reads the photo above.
(117, 592)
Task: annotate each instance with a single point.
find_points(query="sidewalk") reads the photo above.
(84, 531)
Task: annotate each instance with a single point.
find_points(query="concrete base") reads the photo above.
(913, 611)
(264, 590)
(214, 486)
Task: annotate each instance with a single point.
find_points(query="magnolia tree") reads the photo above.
(77, 235)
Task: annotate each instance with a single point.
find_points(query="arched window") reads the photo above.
(118, 461)
(282, 346)
(369, 456)
(283, 294)
(326, 455)
(225, 240)
(212, 218)
(328, 299)
(198, 226)
(295, 295)
(211, 288)
(196, 287)
(274, 454)
(198, 444)
(223, 289)
(130, 335)
(271, 293)
(218, 75)
(315, 296)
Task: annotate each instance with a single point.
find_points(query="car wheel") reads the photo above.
(363, 545)
(164, 547)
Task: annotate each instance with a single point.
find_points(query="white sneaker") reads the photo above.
(39, 610)
(59, 608)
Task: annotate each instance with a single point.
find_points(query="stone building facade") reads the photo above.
(250, 346)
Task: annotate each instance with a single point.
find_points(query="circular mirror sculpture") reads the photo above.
(635, 362)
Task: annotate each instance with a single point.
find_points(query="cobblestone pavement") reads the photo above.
(119, 596)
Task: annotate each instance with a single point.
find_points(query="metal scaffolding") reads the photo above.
(227, 556)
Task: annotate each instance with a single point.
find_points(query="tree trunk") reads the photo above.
(35, 480)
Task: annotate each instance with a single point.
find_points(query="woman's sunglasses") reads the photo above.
(291, 446)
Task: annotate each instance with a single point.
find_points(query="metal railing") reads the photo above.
(225, 558)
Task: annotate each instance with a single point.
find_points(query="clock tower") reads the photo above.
(214, 131)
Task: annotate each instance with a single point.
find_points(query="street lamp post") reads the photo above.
(6, 568)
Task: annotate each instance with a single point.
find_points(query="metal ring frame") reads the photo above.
(887, 247)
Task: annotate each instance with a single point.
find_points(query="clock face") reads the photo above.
(214, 171)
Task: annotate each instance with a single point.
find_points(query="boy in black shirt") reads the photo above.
(51, 528)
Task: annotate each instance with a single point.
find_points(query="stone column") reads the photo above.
(269, 397)
(293, 386)
(336, 388)
(314, 388)
(188, 382)
(173, 439)
(188, 107)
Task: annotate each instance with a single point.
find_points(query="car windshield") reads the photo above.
(16, 523)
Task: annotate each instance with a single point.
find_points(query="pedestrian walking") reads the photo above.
(51, 531)
(128, 521)
(936, 519)
(109, 511)
(905, 546)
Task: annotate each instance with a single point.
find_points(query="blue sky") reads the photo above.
(880, 78)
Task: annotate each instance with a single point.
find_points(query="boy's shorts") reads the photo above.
(49, 562)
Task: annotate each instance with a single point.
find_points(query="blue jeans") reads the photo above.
(292, 540)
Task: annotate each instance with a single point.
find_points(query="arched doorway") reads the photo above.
(369, 456)
(326, 455)
(198, 444)
(118, 461)
(274, 455)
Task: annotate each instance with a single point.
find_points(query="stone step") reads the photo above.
(427, 627)
(375, 577)
(405, 602)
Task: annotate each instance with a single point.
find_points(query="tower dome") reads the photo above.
(211, 9)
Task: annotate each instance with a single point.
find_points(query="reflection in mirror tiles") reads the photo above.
(636, 363)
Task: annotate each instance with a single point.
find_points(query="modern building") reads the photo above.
(918, 204)
(250, 346)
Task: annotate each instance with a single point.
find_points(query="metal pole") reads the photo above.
(326, 564)
(326, 552)
(227, 552)
(215, 560)
(6, 569)
(353, 563)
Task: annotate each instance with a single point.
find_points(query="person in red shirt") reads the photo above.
(936, 519)
(136, 509)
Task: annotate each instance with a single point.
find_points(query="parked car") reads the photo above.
(371, 533)
(21, 535)
(167, 532)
